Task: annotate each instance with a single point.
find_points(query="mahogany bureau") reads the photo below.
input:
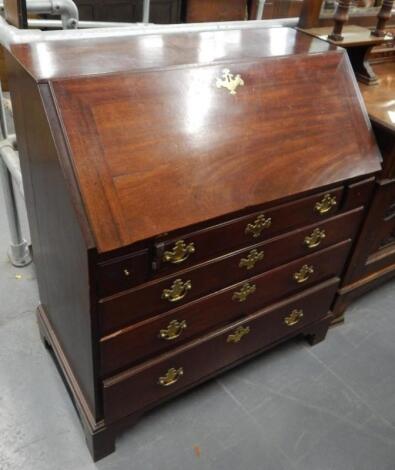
(193, 199)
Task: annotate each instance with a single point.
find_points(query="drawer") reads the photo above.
(122, 273)
(211, 276)
(160, 378)
(188, 249)
(247, 296)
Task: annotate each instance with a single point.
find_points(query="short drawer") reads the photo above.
(251, 294)
(122, 273)
(174, 253)
(162, 377)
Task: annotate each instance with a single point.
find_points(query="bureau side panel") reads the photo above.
(60, 245)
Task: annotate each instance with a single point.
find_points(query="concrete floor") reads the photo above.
(330, 407)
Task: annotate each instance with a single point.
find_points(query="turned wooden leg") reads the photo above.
(382, 18)
(100, 444)
(340, 17)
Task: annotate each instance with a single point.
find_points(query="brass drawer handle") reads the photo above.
(173, 330)
(238, 335)
(179, 253)
(246, 290)
(171, 377)
(253, 257)
(294, 317)
(303, 274)
(326, 204)
(255, 229)
(315, 238)
(177, 291)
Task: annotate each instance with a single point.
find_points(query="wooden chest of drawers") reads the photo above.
(191, 204)
(373, 259)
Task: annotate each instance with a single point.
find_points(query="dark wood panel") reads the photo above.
(60, 245)
(220, 10)
(146, 301)
(129, 11)
(138, 387)
(136, 207)
(15, 13)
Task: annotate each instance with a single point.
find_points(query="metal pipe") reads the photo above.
(3, 119)
(261, 6)
(18, 253)
(11, 35)
(38, 23)
(146, 8)
(66, 9)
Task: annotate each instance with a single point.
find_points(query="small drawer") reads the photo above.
(162, 377)
(122, 273)
(185, 250)
(226, 304)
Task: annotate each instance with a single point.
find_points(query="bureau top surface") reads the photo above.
(159, 148)
(56, 59)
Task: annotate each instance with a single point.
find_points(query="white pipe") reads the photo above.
(146, 8)
(261, 6)
(35, 23)
(11, 35)
(66, 9)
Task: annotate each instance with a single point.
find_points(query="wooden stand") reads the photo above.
(358, 42)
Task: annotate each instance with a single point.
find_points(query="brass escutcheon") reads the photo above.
(315, 238)
(237, 336)
(179, 253)
(304, 273)
(173, 330)
(253, 257)
(255, 229)
(326, 204)
(229, 81)
(246, 290)
(171, 377)
(178, 290)
(294, 317)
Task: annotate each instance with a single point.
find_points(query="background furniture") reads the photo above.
(373, 261)
(161, 11)
(219, 10)
(317, 13)
(182, 218)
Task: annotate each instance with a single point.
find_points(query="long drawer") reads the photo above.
(164, 295)
(153, 381)
(118, 272)
(138, 340)
(249, 229)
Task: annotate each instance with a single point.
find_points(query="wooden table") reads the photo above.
(358, 42)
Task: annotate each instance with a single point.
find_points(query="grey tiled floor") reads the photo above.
(331, 407)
